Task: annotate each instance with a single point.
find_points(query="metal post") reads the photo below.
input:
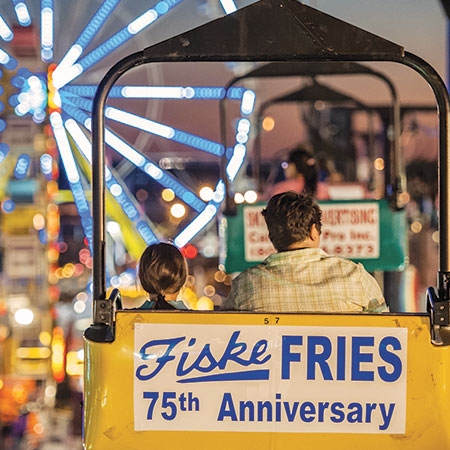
(230, 206)
(102, 309)
(442, 98)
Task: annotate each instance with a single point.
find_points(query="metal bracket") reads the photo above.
(103, 311)
(439, 315)
(104, 327)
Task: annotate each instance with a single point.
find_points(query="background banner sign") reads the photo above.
(351, 230)
(365, 231)
(254, 378)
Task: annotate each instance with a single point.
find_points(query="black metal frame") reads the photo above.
(396, 176)
(207, 43)
(328, 96)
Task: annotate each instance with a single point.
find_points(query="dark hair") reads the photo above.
(305, 164)
(162, 269)
(289, 218)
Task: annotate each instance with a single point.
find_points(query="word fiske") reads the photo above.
(202, 364)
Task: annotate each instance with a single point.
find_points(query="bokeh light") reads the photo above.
(268, 123)
(206, 193)
(24, 316)
(178, 210)
(167, 195)
(379, 164)
(238, 198)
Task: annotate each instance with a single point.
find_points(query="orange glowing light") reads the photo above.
(58, 354)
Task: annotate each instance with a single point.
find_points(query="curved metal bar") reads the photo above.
(442, 98)
(230, 207)
(256, 169)
(396, 177)
(98, 181)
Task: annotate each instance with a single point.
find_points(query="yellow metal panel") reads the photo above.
(109, 422)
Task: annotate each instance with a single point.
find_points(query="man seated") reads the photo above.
(301, 276)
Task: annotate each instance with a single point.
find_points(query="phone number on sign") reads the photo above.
(350, 251)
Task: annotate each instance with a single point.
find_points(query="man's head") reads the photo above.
(293, 219)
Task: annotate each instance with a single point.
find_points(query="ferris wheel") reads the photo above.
(57, 96)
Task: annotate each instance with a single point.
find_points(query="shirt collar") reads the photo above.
(302, 254)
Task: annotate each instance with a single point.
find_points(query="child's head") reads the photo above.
(162, 269)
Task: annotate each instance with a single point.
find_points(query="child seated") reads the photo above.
(162, 273)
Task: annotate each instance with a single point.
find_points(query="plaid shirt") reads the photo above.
(305, 280)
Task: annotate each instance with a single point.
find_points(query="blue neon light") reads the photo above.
(84, 39)
(4, 149)
(7, 60)
(117, 189)
(5, 32)
(32, 98)
(47, 20)
(2, 125)
(131, 211)
(164, 179)
(24, 72)
(46, 162)
(71, 105)
(173, 134)
(22, 13)
(248, 102)
(43, 236)
(115, 41)
(22, 166)
(98, 19)
(76, 101)
(146, 232)
(235, 93)
(73, 175)
(194, 92)
(75, 113)
(19, 79)
(8, 206)
(205, 217)
(198, 142)
(228, 6)
(83, 209)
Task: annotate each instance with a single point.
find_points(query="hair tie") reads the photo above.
(161, 303)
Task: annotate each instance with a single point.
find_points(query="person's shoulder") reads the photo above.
(344, 262)
(147, 305)
(248, 273)
(178, 304)
(295, 185)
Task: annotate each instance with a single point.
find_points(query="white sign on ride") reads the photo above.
(252, 378)
(351, 230)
